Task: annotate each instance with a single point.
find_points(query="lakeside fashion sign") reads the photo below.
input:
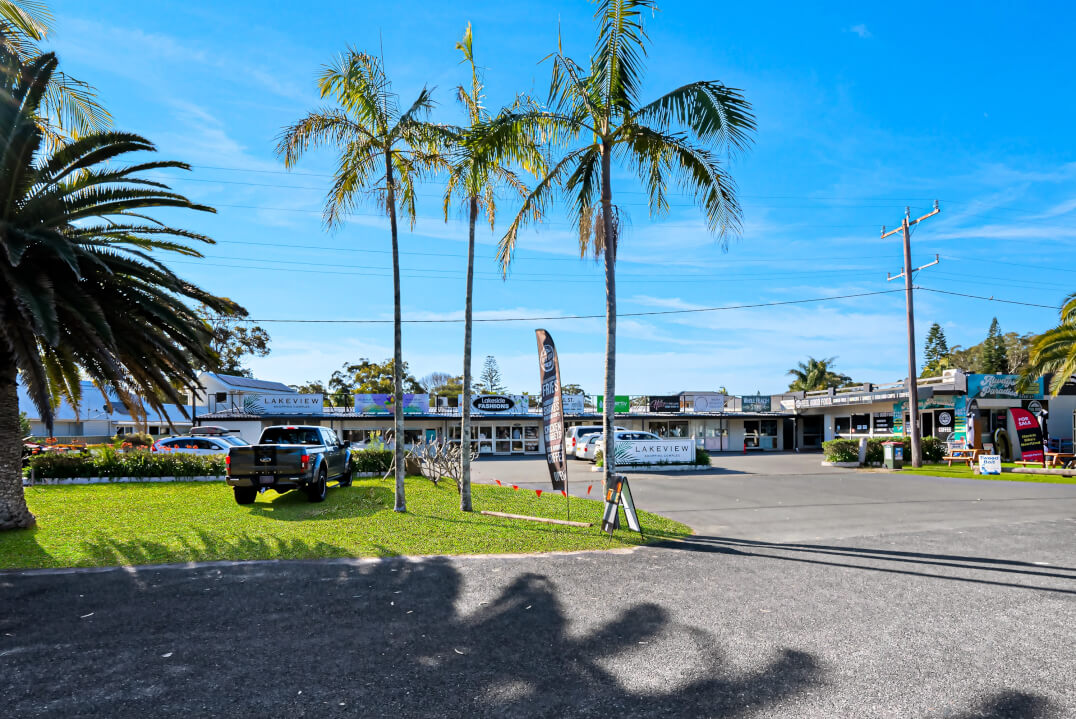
(655, 451)
(552, 410)
(499, 404)
(382, 403)
(284, 404)
(1001, 386)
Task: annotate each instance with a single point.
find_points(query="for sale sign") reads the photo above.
(1028, 434)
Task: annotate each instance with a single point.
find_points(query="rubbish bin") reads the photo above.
(894, 454)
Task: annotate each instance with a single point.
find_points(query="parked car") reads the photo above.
(287, 458)
(598, 444)
(587, 447)
(578, 436)
(192, 445)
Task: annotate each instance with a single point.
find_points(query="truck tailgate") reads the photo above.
(267, 459)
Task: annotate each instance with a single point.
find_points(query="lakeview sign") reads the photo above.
(382, 403)
(499, 404)
(285, 404)
(655, 451)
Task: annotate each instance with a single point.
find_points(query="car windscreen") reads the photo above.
(236, 441)
(587, 431)
(290, 435)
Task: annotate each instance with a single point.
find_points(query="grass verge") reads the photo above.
(127, 524)
(943, 470)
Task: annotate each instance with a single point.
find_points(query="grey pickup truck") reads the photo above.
(287, 458)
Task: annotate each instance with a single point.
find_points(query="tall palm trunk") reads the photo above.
(14, 513)
(609, 416)
(397, 342)
(465, 407)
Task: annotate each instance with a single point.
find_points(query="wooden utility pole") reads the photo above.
(906, 273)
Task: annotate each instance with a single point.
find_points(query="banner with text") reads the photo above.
(756, 403)
(382, 403)
(572, 404)
(622, 403)
(1028, 435)
(499, 404)
(552, 410)
(668, 403)
(285, 404)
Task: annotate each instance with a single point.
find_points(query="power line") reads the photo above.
(569, 317)
(991, 298)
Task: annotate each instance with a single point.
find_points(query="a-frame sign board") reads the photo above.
(620, 492)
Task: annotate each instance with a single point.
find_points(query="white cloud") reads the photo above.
(861, 30)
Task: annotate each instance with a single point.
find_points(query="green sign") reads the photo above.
(622, 404)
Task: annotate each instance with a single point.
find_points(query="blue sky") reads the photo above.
(862, 110)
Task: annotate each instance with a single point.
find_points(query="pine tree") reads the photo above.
(935, 352)
(490, 379)
(995, 356)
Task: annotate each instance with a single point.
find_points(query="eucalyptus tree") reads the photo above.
(83, 293)
(383, 152)
(477, 173)
(594, 117)
(70, 107)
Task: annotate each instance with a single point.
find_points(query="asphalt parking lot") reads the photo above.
(824, 595)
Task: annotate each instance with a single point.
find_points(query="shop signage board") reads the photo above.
(499, 404)
(622, 403)
(552, 410)
(851, 398)
(286, 404)
(619, 493)
(1001, 386)
(989, 464)
(756, 403)
(708, 402)
(572, 404)
(1028, 434)
(883, 422)
(381, 404)
(655, 451)
(943, 424)
(668, 403)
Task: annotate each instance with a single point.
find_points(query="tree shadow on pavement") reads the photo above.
(210, 547)
(394, 638)
(1012, 705)
(986, 570)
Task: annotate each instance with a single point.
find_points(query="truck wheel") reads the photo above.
(315, 492)
(245, 495)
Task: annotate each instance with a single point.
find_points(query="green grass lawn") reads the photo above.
(962, 470)
(127, 524)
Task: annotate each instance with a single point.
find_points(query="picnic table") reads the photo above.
(1059, 459)
(962, 454)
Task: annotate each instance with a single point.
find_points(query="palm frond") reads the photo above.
(711, 111)
(618, 55)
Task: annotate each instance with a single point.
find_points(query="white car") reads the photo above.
(597, 443)
(197, 445)
(578, 436)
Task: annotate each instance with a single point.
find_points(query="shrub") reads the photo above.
(599, 459)
(107, 462)
(376, 461)
(933, 449)
(841, 450)
(702, 457)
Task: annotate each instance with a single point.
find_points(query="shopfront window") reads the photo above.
(669, 429)
(842, 426)
(760, 434)
(861, 424)
(883, 423)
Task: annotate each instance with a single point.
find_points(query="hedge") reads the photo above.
(375, 461)
(847, 450)
(109, 463)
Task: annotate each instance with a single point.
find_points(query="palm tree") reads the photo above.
(816, 374)
(1054, 351)
(474, 177)
(383, 152)
(595, 116)
(70, 108)
(81, 293)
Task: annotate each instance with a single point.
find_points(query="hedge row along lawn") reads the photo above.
(962, 470)
(130, 524)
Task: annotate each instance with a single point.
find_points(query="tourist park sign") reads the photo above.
(284, 404)
(1002, 386)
